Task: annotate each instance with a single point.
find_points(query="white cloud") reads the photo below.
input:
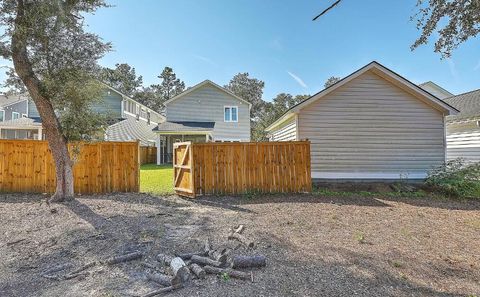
(477, 67)
(205, 59)
(297, 79)
(453, 69)
(276, 44)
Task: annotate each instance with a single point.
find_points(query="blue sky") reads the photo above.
(276, 41)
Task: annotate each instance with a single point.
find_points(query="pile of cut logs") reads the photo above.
(182, 267)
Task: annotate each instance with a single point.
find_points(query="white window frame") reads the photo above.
(3, 117)
(230, 107)
(17, 113)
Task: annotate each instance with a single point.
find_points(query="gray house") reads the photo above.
(373, 124)
(19, 118)
(203, 113)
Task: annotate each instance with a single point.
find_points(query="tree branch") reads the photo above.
(326, 10)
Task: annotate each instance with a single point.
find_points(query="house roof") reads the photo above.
(204, 83)
(468, 104)
(435, 89)
(385, 73)
(22, 123)
(6, 100)
(180, 126)
(125, 96)
(130, 129)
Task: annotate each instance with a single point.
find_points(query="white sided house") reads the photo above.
(203, 113)
(463, 129)
(371, 125)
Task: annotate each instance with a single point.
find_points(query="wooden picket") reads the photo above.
(100, 167)
(148, 155)
(240, 167)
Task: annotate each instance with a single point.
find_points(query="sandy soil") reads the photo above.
(316, 246)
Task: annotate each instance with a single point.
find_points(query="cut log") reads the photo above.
(242, 239)
(230, 272)
(164, 280)
(249, 261)
(78, 272)
(164, 259)
(180, 270)
(218, 255)
(205, 261)
(197, 270)
(160, 291)
(239, 229)
(123, 258)
(207, 247)
(188, 256)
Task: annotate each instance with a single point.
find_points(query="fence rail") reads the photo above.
(235, 168)
(103, 167)
(148, 155)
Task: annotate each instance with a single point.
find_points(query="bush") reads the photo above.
(456, 178)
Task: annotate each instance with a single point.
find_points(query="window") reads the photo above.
(2, 115)
(15, 115)
(231, 113)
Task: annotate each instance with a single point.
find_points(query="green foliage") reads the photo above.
(460, 21)
(331, 81)
(360, 237)
(123, 78)
(225, 276)
(456, 178)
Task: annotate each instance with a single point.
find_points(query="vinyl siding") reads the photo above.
(206, 104)
(286, 132)
(370, 128)
(32, 109)
(463, 141)
(20, 107)
(111, 104)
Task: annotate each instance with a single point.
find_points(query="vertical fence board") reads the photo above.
(236, 168)
(28, 166)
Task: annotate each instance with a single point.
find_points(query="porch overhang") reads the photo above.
(184, 128)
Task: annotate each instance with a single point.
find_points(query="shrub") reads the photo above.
(456, 178)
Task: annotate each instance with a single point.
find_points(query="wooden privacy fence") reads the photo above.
(236, 168)
(148, 155)
(102, 167)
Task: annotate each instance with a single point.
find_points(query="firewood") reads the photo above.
(218, 255)
(123, 258)
(188, 256)
(179, 269)
(207, 247)
(205, 261)
(197, 270)
(230, 272)
(79, 271)
(160, 291)
(239, 229)
(242, 239)
(164, 280)
(164, 259)
(249, 261)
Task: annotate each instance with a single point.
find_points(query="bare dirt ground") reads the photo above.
(315, 246)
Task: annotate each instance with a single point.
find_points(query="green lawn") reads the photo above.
(156, 179)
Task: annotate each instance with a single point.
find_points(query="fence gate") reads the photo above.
(183, 169)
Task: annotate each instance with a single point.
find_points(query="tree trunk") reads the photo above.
(56, 141)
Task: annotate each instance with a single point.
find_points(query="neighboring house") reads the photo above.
(371, 125)
(463, 129)
(435, 90)
(132, 120)
(203, 113)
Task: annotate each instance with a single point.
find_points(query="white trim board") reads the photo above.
(368, 175)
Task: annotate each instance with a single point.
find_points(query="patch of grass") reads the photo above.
(396, 264)
(225, 276)
(360, 237)
(473, 223)
(156, 179)
(332, 193)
